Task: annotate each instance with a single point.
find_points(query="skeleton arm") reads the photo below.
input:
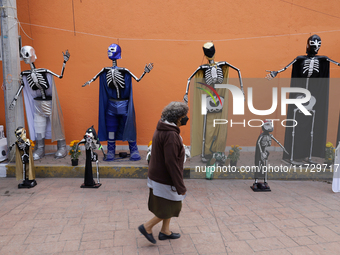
(82, 141)
(100, 147)
(185, 98)
(66, 58)
(263, 153)
(278, 143)
(14, 101)
(239, 74)
(10, 147)
(147, 69)
(94, 78)
(272, 74)
(332, 61)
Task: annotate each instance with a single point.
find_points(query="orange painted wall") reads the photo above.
(252, 35)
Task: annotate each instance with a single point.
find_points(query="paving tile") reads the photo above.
(325, 233)
(90, 245)
(301, 250)
(183, 245)
(124, 237)
(71, 246)
(265, 244)
(241, 247)
(43, 248)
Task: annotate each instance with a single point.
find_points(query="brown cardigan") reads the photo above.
(167, 157)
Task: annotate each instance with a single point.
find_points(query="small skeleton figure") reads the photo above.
(261, 155)
(312, 72)
(43, 111)
(208, 75)
(24, 160)
(91, 143)
(116, 109)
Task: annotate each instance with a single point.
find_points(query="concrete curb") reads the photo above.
(128, 171)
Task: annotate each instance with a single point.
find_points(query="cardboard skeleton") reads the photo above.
(263, 142)
(208, 75)
(24, 163)
(91, 143)
(311, 72)
(116, 108)
(43, 111)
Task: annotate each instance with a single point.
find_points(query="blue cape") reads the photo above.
(126, 132)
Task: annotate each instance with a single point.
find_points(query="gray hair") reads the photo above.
(173, 111)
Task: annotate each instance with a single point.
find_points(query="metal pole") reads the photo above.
(11, 68)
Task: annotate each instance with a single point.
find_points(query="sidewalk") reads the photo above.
(218, 217)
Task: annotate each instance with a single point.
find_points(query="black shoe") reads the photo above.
(147, 236)
(162, 236)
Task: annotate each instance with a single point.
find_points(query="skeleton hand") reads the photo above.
(86, 83)
(185, 98)
(66, 56)
(264, 156)
(12, 105)
(271, 75)
(148, 67)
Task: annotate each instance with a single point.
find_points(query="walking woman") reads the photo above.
(165, 175)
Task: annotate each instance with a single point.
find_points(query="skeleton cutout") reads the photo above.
(264, 141)
(116, 109)
(91, 143)
(311, 68)
(40, 95)
(211, 74)
(24, 160)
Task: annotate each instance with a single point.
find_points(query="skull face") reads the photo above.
(89, 137)
(20, 133)
(313, 45)
(209, 50)
(28, 54)
(267, 126)
(114, 52)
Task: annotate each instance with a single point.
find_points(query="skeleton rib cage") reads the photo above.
(37, 79)
(311, 65)
(116, 78)
(213, 75)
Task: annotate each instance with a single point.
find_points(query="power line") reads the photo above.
(181, 40)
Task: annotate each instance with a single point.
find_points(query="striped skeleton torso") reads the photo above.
(115, 79)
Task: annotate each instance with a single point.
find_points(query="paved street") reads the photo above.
(218, 217)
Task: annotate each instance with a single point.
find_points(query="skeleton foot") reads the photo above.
(111, 150)
(62, 151)
(39, 150)
(134, 153)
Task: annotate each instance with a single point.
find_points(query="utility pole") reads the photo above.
(11, 68)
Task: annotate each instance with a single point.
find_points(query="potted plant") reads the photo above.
(74, 152)
(234, 154)
(329, 154)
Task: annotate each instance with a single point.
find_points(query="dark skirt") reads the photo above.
(163, 208)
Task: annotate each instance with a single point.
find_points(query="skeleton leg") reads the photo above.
(39, 148)
(293, 139)
(134, 153)
(23, 172)
(265, 173)
(40, 131)
(203, 142)
(311, 137)
(62, 151)
(97, 171)
(111, 147)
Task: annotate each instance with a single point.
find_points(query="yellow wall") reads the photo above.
(252, 35)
